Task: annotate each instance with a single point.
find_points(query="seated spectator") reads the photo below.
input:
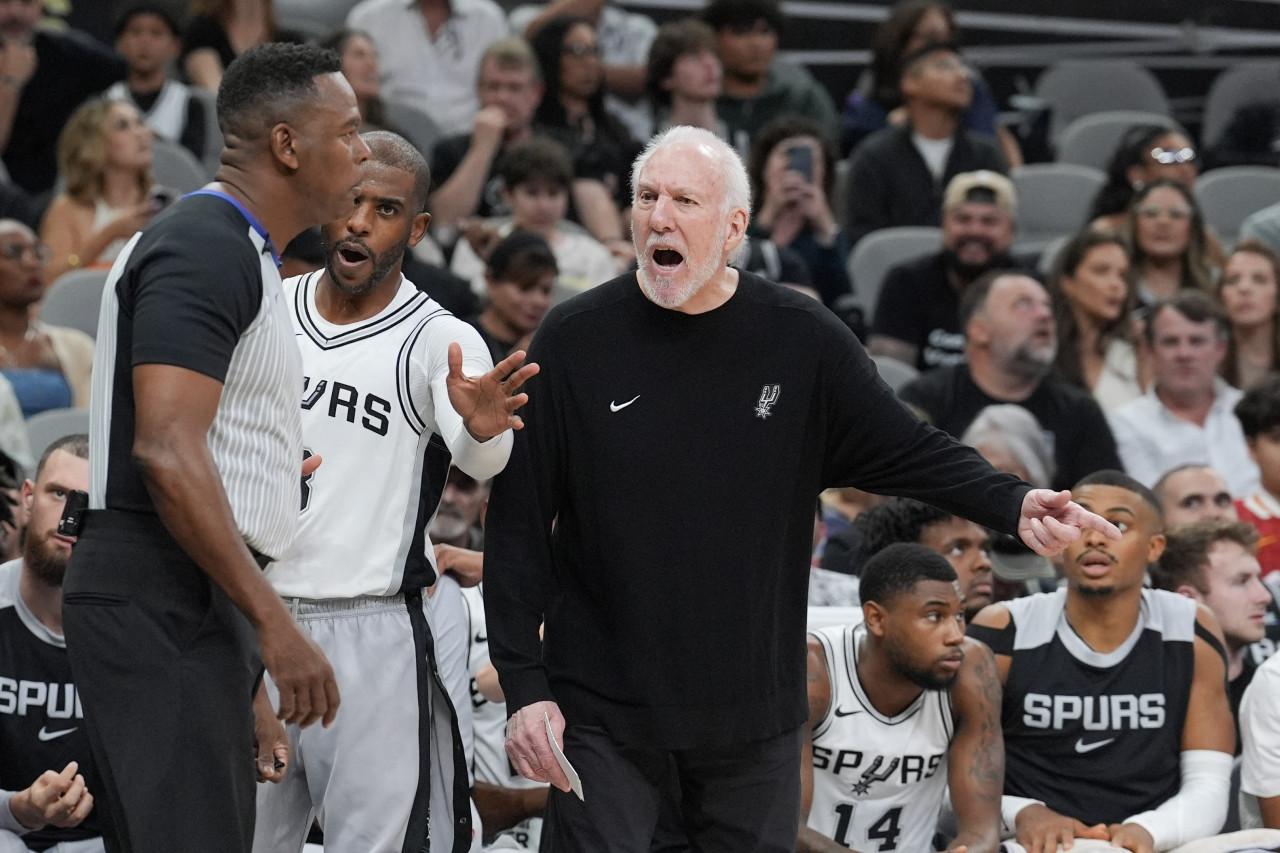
(44, 801)
(917, 317)
(1260, 737)
(44, 77)
(901, 707)
(1093, 303)
(1214, 563)
(1146, 153)
(104, 154)
(625, 38)
(1259, 414)
(1251, 137)
(898, 174)
(1186, 415)
(572, 112)
(759, 87)
(430, 52)
(148, 38)
(1194, 492)
(684, 77)
(792, 170)
(876, 102)
(360, 67)
(221, 30)
(535, 177)
(1168, 242)
(518, 276)
(1250, 297)
(48, 367)
(1010, 342)
(509, 88)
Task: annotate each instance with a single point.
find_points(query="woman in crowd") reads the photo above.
(221, 30)
(360, 67)
(1168, 241)
(48, 367)
(104, 160)
(1248, 292)
(518, 281)
(792, 172)
(1093, 301)
(684, 77)
(1146, 153)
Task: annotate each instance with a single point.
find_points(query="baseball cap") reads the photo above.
(982, 187)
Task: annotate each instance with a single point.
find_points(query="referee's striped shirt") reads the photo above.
(199, 289)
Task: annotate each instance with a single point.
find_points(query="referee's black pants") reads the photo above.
(165, 667)
(743, 798)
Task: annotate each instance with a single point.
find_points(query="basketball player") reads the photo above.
(899, 707)
(395, 387)
(1116, 723)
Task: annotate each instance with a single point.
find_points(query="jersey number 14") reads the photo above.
(886, 830)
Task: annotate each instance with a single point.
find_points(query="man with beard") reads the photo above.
(657, 516)
(44, 751)
(394, 388)
(901, 707)
(1116, 723)
(917, 318)
(1010, 342)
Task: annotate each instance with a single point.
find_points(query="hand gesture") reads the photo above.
(1040, 829)
(1132, 837)
(486, 403)
(130, 220)
(463, 563)
(528, 747)
(18, 60)
(490, 125)
(57, 799)
(482, 236)
(1051, 521)
(270, 743)
(308, 690)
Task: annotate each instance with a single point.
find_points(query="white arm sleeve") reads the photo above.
(1009, 808)
(1200, 806)
(7, 820)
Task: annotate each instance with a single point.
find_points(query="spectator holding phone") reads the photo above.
(104, 157)
(792, 176)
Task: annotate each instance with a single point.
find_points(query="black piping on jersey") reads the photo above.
(361, 331)
(1205, 634)
(411, 414)
(418, 572)
(860, 692)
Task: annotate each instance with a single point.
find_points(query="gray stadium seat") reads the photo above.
(1091, 140)
(1227, 196)
(1053, 200)
(1049, 255)
(416, 126)
(175, 167)
(74, 300)
(212, 133)
(1076, 87)
(839, 200)
(894, 373)
(45, 428)
(1242, 83)
(881, 251)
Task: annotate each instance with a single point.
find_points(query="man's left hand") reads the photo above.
(270, 743)
(487, 403)
(1132, 837)
(1051, 521)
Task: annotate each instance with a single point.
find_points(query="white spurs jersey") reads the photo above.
(376, 409)
(878, 782)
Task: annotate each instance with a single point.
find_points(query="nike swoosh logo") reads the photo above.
(1082, 747)
(615, 407)
(46, 735)
(842, 713)
(481, 638)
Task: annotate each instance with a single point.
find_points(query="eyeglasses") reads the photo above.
(16, 251)
(1151, 211)
(1169, 156)
(578, 50)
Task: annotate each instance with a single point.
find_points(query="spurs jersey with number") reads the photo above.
(490, 719)
(878, 781)
(1095, 736)
(369, 395)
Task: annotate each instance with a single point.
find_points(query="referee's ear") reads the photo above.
(419, 229)
(283, 148)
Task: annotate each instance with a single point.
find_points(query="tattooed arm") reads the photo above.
(976, 756)
(819, 685)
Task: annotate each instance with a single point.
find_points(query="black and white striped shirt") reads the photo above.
(199, 289)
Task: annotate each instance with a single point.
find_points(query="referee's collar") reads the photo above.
(244, 211)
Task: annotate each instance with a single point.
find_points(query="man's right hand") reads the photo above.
(490, 126)
(18, 61)
(302, 674)
(1041, 829)
(57, 799)
(528, 747)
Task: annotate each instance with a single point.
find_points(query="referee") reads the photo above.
(196, 451)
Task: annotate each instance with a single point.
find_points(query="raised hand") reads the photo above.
(1051, 521)
(487, 403)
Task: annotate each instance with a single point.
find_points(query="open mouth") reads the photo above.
(351, 255)
(667, 259)
(1095, 564)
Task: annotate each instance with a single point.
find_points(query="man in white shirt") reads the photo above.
(1186, 416)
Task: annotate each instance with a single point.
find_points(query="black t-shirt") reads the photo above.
(206, 31)
(919, 306)
(71, 67)
(193, 136)
(1073, 423)
(445, 159)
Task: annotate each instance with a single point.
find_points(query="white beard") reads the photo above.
(663, 290)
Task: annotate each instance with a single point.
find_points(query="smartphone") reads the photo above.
(73, 513)
(161, 197)
(800, 159)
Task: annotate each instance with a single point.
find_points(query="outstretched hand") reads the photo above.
(487, 403)
(1051, 521)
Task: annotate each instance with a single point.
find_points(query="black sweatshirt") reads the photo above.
(680, 457)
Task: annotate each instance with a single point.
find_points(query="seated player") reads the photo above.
(1116, 723)
(899, 707)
